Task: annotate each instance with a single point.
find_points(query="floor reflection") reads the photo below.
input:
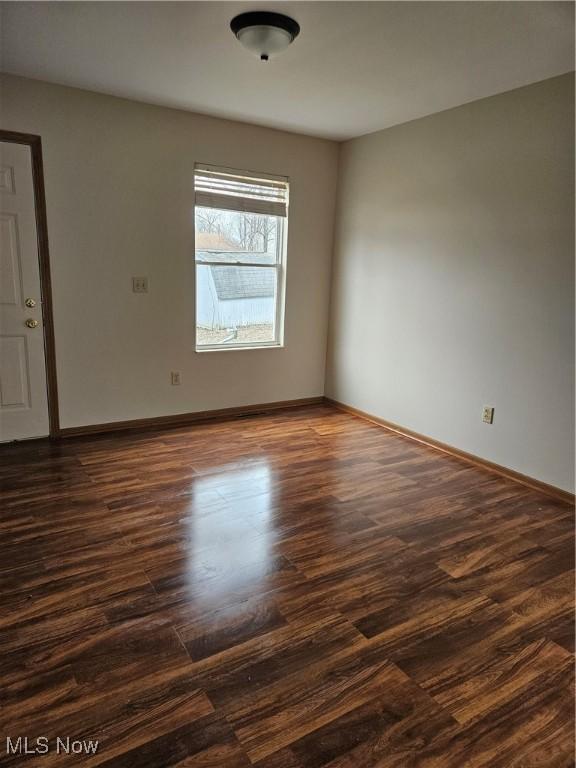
(226, 551)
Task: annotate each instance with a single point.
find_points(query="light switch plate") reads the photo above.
(140, 285)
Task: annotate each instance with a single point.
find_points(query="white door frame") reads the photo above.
(35, 144)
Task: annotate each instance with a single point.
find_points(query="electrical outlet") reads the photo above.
(175, 378)
(140, 285)
(488, 414)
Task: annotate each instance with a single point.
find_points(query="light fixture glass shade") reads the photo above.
(264, 41)
(264, 33)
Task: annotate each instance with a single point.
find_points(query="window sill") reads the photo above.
(239, 349)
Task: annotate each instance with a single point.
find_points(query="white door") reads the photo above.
(23, 397)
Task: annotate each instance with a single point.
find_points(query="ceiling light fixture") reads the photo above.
(264, 33)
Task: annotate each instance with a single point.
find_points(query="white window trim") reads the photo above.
(279, 265)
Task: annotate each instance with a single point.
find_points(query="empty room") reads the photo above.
(287, 384)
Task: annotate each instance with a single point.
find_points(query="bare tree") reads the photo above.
(252, 231)
(248, 231)
(208, 220)
(266, 227)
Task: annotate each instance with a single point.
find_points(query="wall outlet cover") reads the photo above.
(488, 414)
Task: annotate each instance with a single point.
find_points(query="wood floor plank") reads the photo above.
(307, 700)
(288, 590)
(400, 720)
(246, 668)
(220, 630)
(121, 718)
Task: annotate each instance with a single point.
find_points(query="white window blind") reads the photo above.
(238, 192)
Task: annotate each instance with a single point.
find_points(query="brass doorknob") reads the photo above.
(31, 323)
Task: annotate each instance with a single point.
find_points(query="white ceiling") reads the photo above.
(356, 67)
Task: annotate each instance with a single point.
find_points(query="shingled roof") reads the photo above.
(243, 282)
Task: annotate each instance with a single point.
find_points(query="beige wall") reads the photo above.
(454, 278)
(119, 190)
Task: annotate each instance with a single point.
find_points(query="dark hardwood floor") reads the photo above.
(294, 590)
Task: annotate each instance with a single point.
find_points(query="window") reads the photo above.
(241, 229)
